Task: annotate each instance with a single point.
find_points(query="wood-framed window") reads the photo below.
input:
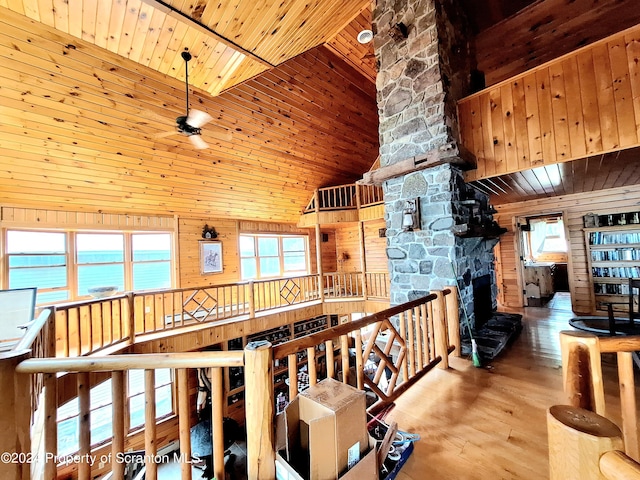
(101, 410)
(271, 256)
(65, 264)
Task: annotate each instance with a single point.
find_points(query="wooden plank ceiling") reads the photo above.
(609, 170)
(80, 123)
(230, 41)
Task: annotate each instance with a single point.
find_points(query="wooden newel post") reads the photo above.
(440, 329)
(577, 440)
(453, 319)
(259, 405)
(582, 370)
(15, 421)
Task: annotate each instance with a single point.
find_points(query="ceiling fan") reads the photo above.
(191, 124)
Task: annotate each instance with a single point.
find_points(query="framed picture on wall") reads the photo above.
(210, 257)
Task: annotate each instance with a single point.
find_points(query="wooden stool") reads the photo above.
(577, 439)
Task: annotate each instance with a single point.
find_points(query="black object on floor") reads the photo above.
(494, 335)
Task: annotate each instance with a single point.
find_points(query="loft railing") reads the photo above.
(345, 197)
(596, 441)
(409, 339)
(93, 326)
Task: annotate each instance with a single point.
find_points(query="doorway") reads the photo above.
(544, 255)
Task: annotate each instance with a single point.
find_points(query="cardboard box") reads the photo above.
(322, 432)
(365, 469)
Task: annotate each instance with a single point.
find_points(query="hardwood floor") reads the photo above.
(490, 423)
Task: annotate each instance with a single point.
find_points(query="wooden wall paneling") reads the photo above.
(520, 119)
(533, 119)
(547, 134)
(329, 252)
(546, 30)
(465, 120)
(190, 236)
(589, 96)
(497, 129)
(606, 100)
(584, 103)
(574, 207)
(559, 111)
(487, 133)
(625, 117)
(632, 42)
(348, 248)
(509, 126)
(478, 135)
(375, 246)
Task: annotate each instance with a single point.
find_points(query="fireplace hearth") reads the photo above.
(494, 336)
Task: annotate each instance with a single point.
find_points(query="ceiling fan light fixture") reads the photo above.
(365, 36)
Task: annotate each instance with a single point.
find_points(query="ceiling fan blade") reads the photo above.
(198, 142)
(197, 118)
(165, 134)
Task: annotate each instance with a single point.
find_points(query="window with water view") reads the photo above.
(65, 265)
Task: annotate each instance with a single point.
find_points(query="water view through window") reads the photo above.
(42, 259)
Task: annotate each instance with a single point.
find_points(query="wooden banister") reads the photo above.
(284, 349)
(127, 362)
(615, 465)
(582, 370)
(577, 439)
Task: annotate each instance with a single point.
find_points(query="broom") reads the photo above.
(475, 357)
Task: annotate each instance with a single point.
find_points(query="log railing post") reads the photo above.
(217, 419)
(15, 421)
(628, 405)
(252, 300)
(453, 319)
(131, 319)
(577, 439)
(84, 436)
(440, 329)
(117, 422)
(184, 420)
(259, 405)
(582, 370)
(150, 445)
(50, 425)
(615, 465)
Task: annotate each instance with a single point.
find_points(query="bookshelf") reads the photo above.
(613, 257)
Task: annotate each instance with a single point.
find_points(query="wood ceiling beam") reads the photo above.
(182, 17)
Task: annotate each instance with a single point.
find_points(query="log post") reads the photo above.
(132, 318)
(50, 425)
(252, 300)
(615, 465)
(440, 329)
(150, 445)
(259, 405)
(15, 421)
(453, 319)
(184, 421)
(582, 370)
(319, 269)
(577, 439)
(628, 405)
(118, 412)
(360, 362)
(217, 419)
(292, 366)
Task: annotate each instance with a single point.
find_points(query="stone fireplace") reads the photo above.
(425, 66)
